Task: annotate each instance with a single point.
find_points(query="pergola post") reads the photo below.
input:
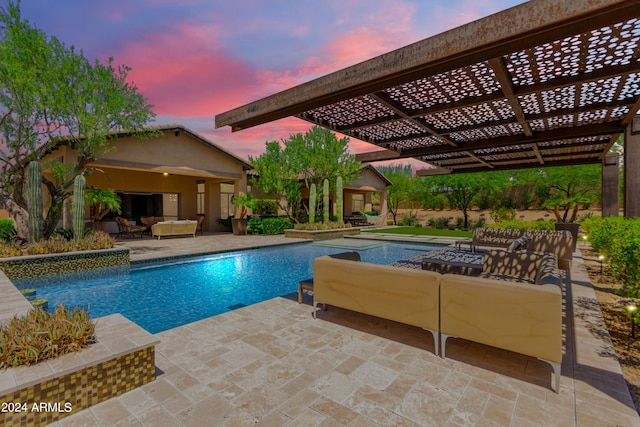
(631, 166)
(610, 185)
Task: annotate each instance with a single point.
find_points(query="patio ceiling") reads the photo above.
(545, 83)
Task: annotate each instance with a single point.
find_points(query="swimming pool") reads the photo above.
(163, 295)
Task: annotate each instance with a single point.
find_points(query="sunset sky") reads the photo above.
(194, 59)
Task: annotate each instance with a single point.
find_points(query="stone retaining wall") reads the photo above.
(321, 234)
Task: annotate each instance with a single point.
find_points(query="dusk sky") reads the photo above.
(194, 59)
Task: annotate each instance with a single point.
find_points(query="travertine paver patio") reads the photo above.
(272, 364)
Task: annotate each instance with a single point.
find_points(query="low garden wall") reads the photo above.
(122, 359)
(336, 233)
(25, 267)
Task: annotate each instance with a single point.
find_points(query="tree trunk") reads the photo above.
(19, 216)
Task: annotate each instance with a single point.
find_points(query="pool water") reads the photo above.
(164, 295)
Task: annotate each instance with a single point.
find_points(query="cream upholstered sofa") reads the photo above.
(515, 304)
(174, 228)
(502, 309)
(400, 294)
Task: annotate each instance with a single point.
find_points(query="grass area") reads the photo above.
(421, 231)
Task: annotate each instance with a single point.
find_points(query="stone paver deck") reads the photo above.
(272, 364)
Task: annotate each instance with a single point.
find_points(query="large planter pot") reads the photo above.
(573, 227)
(239, 226)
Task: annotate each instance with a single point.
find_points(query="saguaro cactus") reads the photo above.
(312, 203)
(79, 185)
(339, 212)
(34, 200)
(325, 201)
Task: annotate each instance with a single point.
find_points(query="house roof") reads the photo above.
(364, 167)
(545, 83)
(177, 128)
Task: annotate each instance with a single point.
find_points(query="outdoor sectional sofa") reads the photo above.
(559, 242)
(522, 314)
(174, 228)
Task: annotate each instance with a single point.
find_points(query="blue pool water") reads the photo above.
(161, 296)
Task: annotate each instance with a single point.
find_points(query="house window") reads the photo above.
(226, 207)
(357, 202)
(200, 198)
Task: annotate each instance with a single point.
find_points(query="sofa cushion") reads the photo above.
(516, 264)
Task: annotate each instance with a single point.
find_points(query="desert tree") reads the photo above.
(286, 166)
(51, 94)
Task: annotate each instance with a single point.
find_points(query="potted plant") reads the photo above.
(101, 202)
(242, 202)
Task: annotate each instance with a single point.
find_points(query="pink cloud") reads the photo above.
(185, 73)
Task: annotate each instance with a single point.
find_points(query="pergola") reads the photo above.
(545, 83)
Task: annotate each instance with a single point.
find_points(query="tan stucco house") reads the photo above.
(180, 174)
(176, 175)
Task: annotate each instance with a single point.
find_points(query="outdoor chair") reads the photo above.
(200, 219)
(125, 229)
(307, 284)
(147, 222)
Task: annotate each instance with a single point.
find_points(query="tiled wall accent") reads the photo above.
(67, 394)
(25, 267)
(321, 234)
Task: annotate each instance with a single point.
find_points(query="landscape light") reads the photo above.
(632, 309)
(601, 258)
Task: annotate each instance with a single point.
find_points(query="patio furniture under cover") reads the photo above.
(174, 228)
(126, 229)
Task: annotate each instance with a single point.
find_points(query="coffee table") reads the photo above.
(452, 260)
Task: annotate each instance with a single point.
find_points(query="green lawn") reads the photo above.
(422, 231)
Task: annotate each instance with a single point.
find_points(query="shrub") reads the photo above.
(524, 225)
(273, 226)
(320, 226)
(67, 233)
(7, 230)
(97, 240)
(618, 239)
(441, 223)
(484, 201)
(409, 220)
(40, 336)
(499, 214)
(255, 226)
(58, 243)
(9, 249)
(527, 200)
(481, 222)
(265, 207)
